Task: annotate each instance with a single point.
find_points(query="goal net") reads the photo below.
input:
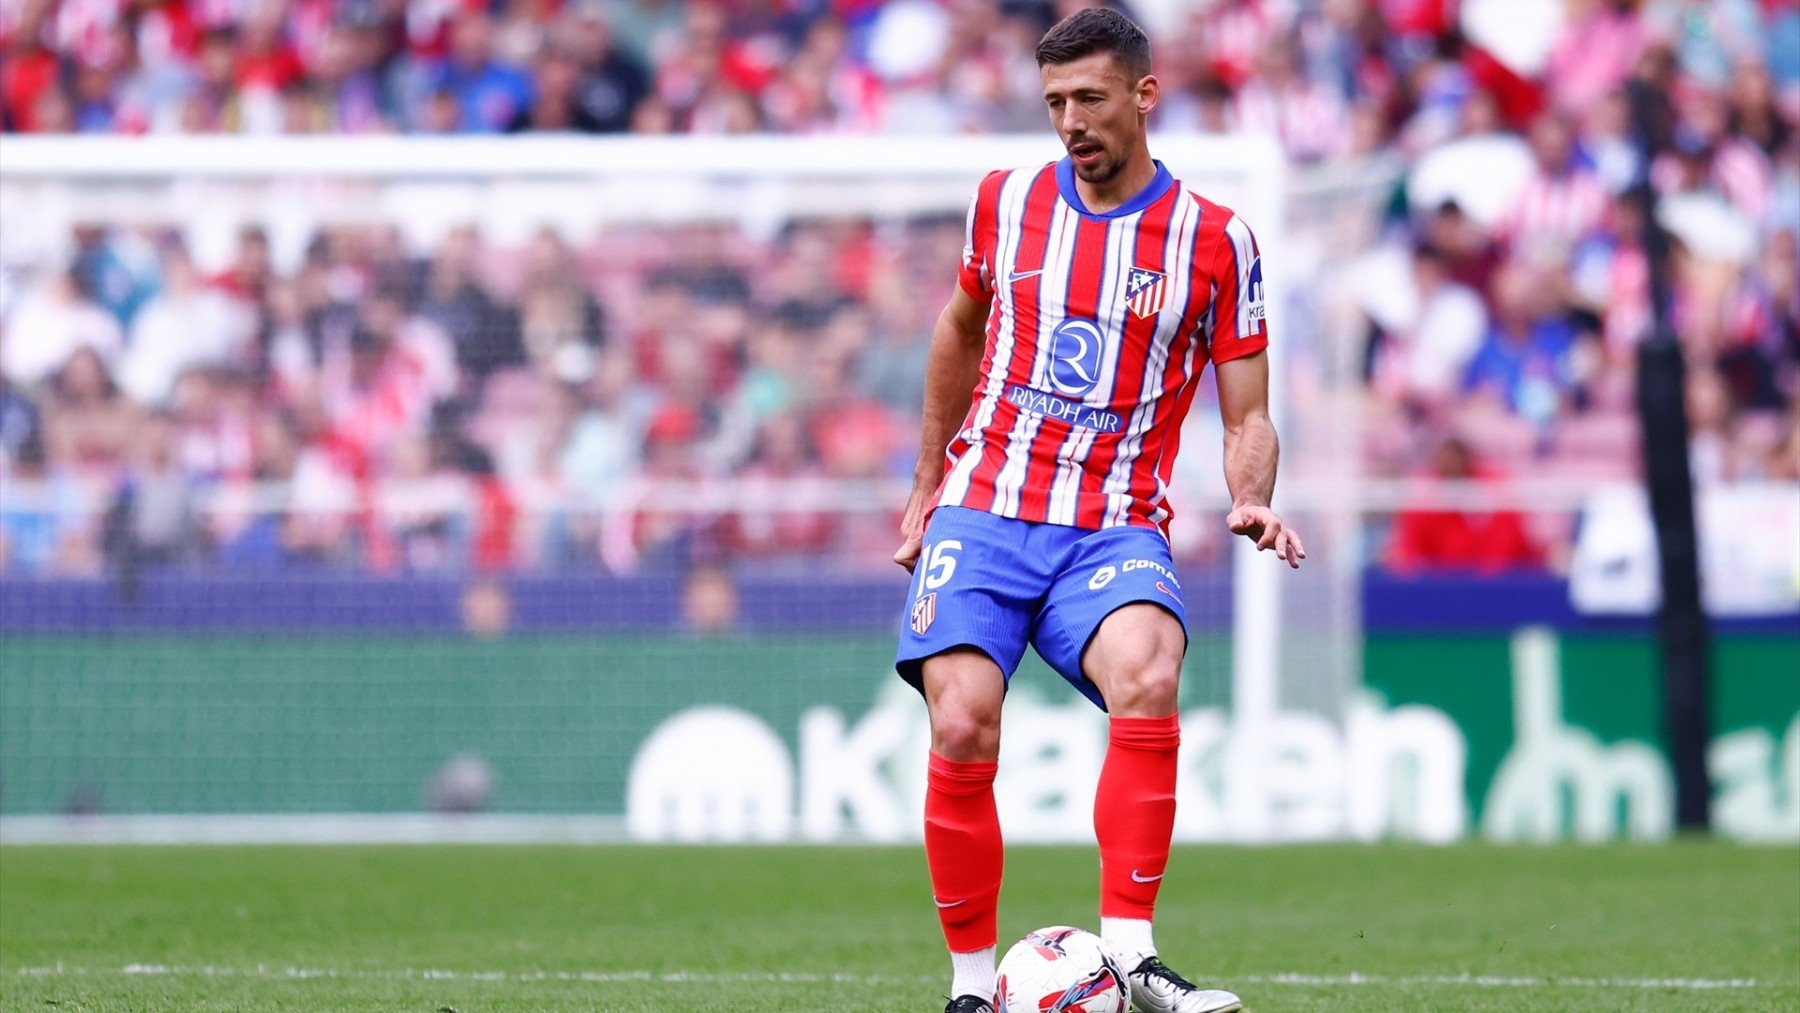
(543, 489)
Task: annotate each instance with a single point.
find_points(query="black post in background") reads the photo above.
(1682, 629)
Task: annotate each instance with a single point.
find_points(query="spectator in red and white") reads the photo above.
(1598, 48)
(216, 411)
(1561, 202)
(382, 381)
(266, 68)
(821, 90)
(1427, 538)
(1709, 158)
(1310, 119)
(419, 497)
(670, 454)
(783, 469)
(708, 66)
(250, 274)
(186, 326)
(986, 74)
(1610, 278)
(1231, 37)
(321, 482)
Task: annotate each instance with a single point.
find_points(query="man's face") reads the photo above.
(1098, 110)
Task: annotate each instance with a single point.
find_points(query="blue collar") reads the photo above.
(1159, 185)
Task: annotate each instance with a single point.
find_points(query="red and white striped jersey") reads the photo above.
(1098, 328)
(1556, 210)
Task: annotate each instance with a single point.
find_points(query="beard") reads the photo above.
(1101, 171)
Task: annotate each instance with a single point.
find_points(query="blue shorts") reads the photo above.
(996, 584)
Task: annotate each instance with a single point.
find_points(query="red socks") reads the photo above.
(1134, 813)
(1134, 816)
(962, 847)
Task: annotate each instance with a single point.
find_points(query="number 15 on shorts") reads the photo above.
(937, 563)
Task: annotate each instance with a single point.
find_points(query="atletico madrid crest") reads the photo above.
(1145, 292)
(924, 610)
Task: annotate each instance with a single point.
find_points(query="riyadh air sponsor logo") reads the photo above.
(923, 612)
(1075, 348)
(1146, 292)
(1253, 296)
(1041, 402)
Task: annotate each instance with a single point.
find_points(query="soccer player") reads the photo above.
(1092, 293)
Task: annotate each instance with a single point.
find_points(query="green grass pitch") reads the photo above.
(1684, 926)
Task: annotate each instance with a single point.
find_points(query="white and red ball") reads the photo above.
(1062, 970)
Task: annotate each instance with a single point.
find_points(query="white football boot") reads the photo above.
(1156, 989)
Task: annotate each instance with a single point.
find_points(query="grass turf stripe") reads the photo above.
(792, 977)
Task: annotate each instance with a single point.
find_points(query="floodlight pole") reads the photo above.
(1681, 624)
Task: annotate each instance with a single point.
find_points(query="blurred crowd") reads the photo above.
(1502, 302)
(466, 408)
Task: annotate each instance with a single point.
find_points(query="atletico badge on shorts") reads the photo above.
(1145, 292)
(924, 610)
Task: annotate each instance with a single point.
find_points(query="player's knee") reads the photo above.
(1150, 690)
(962, 730)
(963, 692)
(965, 726)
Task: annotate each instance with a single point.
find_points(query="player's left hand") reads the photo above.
(1263, 526)
(912, 527)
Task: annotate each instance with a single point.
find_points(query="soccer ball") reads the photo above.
(1062, 970)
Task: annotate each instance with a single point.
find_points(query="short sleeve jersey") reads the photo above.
(1098, 328)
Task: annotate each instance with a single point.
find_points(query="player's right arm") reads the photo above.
(954, 365)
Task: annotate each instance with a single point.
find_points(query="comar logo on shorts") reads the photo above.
(924, 610)
(1145, 292)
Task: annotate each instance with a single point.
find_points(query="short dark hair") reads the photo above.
(1097, 30)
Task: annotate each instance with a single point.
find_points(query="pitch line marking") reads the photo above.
(264, 971)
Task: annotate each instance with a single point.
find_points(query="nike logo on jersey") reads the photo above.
(953, 903)
(1135, 878)
(1019, 276)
